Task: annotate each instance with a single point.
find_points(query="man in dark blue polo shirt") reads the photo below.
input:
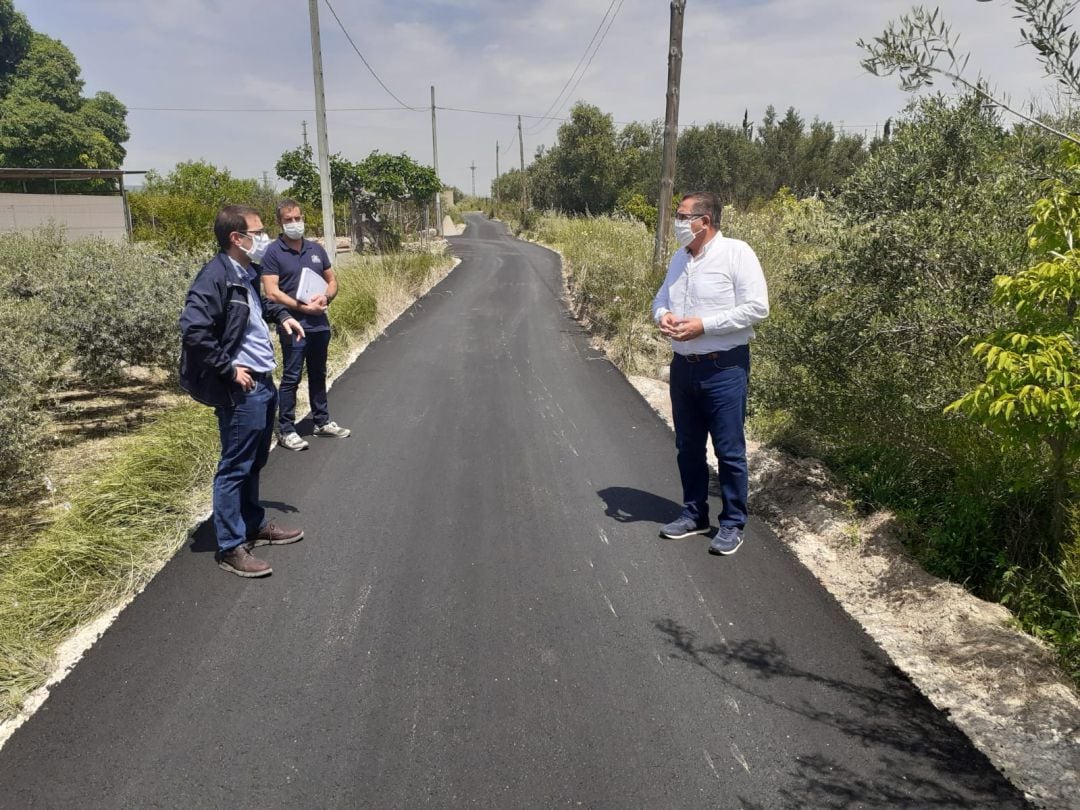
(282, 269)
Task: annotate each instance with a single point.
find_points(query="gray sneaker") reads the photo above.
(332, 429)
(684, 527)
(292, 441)
(727, 540)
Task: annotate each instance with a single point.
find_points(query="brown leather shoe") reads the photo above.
(271, 535)
(239, 561)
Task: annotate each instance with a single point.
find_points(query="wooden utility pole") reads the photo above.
(435, 158)
(327, 190)
(524, 192)
(496, 183)
(671, 133)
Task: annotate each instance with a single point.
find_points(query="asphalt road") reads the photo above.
(483, 615)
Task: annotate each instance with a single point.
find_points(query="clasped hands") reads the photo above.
(681, 329)
(316, 306)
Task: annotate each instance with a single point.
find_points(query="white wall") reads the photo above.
(80, 214)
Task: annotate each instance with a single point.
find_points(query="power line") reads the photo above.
(466, 110)
(584, 53)
(268, 109)
(365, 61)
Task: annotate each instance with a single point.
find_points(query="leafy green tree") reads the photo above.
(15, 34)
(640, 153)
(585, 161)
(44, 119)
(1031, 392)
(397, 177)
(719, 158)
(916, 45)
(298, 167)
(178, 210)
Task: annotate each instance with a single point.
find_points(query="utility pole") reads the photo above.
(496, 183)
(303, 126)
(671, 133)
(266, 180)
(472, 168)
(524, 191)
(435, 153)
(327, 190)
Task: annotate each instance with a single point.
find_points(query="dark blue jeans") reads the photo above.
(311, 349)
(708, 398)
(246, 429)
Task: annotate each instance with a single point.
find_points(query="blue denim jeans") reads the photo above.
(708, 398)
(312, 349)
(246, 429)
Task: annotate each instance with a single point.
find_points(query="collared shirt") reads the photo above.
(287, 264)
(256, 351)
(723, 285)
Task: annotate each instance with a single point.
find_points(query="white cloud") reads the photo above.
(510, 56)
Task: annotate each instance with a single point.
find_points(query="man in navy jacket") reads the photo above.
(226, 361)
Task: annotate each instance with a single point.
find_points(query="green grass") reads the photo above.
(127, 517)
(122, 521)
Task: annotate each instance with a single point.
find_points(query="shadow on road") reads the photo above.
(629, 505)
(204, 539)
(922, 759)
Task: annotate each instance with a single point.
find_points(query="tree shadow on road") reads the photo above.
(912, 755)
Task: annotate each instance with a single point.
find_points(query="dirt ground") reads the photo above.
(999, 685)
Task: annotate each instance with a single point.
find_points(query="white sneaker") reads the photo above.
(332, 429)
(292, 441)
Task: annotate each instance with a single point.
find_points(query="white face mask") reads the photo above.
(683, 235)
(294, 230)
(259, 244)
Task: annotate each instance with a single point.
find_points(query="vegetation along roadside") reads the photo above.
(117, 519)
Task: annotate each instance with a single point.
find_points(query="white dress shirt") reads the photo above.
(723, 285)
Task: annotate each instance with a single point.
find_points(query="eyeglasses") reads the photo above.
(260, 232)
(687, 217)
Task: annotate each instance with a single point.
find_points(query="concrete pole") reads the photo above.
(671, 133)
(435, 158)
(327, 190)
(524, 191)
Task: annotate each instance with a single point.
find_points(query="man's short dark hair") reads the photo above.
(285, 205)
(705, 202)
(231, 218)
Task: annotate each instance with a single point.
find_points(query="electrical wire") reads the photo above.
(365, 61)
(582, 59)
(583, 72)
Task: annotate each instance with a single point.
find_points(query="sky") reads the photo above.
(245, 69)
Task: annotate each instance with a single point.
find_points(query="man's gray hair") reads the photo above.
(705, 202)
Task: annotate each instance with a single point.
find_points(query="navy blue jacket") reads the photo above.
(212, 329)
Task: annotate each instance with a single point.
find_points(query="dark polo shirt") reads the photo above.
(285, 263)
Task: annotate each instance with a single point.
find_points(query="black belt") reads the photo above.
(728, 354)
(697, 358)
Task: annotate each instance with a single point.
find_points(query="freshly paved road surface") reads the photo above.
(483, 615)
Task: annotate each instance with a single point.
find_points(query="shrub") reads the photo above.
(92, 308)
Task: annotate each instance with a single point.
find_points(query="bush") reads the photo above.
(91, 308)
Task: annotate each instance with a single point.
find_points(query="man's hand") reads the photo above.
(681, 329)
(320, 301)
(293, 327)
(313, 307)
(243, 378)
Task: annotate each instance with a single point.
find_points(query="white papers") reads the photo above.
(311, 284)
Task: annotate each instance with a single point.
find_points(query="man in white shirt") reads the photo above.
(712, 296)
